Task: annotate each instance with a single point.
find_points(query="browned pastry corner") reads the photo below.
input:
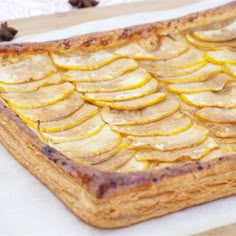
(118, 150)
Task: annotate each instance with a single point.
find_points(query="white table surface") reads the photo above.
(27, 207)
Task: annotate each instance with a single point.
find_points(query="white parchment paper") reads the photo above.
(27, 207)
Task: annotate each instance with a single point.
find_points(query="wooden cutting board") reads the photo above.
(41, 24)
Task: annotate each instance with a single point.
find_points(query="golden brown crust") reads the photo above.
(104, 193)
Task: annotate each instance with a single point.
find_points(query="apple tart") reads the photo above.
(127, 125)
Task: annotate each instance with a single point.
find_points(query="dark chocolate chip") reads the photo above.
(200, 168)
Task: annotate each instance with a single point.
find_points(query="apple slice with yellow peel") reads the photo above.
(41, 97)
(191, 137)
(134, 165)
(148, 88)
(226, 131)
(171, 125)
(169, 48)
(94, 160)
(116, 161)
(134, 104)
(103, 141)
(190, 58)
(130, 80)
(84, 113)
(209, 45)
(108, 72)
(202, 74)
(53, 112)
(216, 83)
(221, 56)
(178, 72)
(143, 116)
(217, 115)
(34, 68)
(193, 153)
(87, 129)
(30, 86)
(226, 33)
(83, 61)
(224, 98)
(230, 69)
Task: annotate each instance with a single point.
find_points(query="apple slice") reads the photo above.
(53, 112)
(148, 88)
(41, 97)
(108, 72)
(230, 69)
(224, 99)
(190, 58)
(35, 68)
(87, 129)
(83, 61)
(216, 83)
(226, 33)
(171, 125)
(84, 113)
(134, 104)
(178, 72)
(103, 141)
(169, 48)
(149, 114)
(209, 45)
(193, 153)
(130, 80)
(133, 165)
(221, 56)
(217, 115)
(30, 86)
(226, 131)
(202, 74)
(94, 160)
(192, 137)
(116, 161)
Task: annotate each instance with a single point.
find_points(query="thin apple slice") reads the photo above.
(133, 165)
(35, 68)
(87, 129)
(190, 58)
(171, 125)
(148, 88)
(130, 80)
(178, 72)
(221, 56)
(217, 115)
(210, 45)
(216, 83)
(103, 141)
(134, 104)
(149, 114)
(230, 69)
(226, 131)
(202, 74)
(83, 61)
(192, 137)
(169, 48)
(94, 160)
(224, 99)
(108, 72)
(116, 161)
(84, 113)
(193, 153)
(226, 33)
(57, 111)
(30, 86)
(41, 97)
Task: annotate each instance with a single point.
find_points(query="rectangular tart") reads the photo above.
(127, 125)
